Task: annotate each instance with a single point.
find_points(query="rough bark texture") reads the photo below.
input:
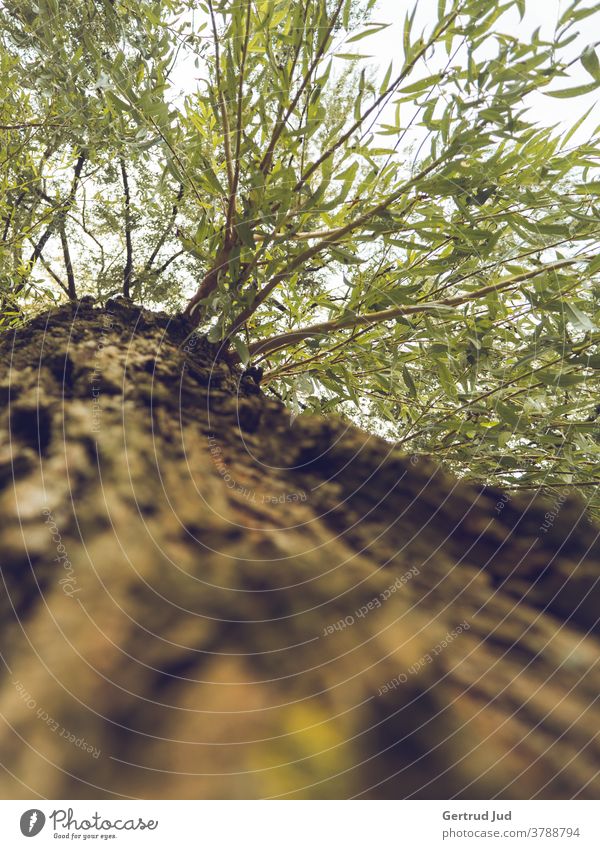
(202, 598)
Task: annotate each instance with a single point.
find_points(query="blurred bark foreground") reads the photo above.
(203, 598)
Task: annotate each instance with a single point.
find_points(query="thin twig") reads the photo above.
(267, 159)
(238, 142)
(224, 115)
(358, 123)
(163, 237)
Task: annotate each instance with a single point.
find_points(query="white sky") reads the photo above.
(386, 46)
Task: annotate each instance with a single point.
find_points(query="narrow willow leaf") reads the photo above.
(594, 265)
(371, 31)
(590, 62)
(352, 57)
(579, 318)
(410, 384)
(569, 135)
(576, 91)
(426, 82)
(386, 80)
(242, 350)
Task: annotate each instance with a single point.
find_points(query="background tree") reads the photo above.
(408, 250)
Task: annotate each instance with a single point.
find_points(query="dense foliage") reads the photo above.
(401, 245)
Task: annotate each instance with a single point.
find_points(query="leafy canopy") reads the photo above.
(443, 292)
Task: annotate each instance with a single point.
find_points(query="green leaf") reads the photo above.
(242, 350)
(246, 233)
(563, 379)
(353, 57)
(370, 31)
(406, 35)
(571, 132)
(576, 91)
(116, 101)
(386, 80)
(507, 413)
(590, 62)
(591, 188)
(579, 318)
(345, 257)
(594, 265)
(426, 82)
(214, 333)
(410, 384)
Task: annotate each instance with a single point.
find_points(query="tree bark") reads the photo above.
(205, 598)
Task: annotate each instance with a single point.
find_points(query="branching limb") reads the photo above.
(267, 160)
(209, 281)
(439, 31)
(239, 128)
(163, 237)
(325, 328)
(56, 222)
(61, 213)
(331, 239)
(128, 270)
(71, 290)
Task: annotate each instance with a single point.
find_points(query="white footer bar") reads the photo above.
(302, 824)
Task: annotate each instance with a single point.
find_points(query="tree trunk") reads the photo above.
(203, 598)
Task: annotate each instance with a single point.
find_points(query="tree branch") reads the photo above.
(91, 236)
(224, 115)
(150, 261)
(358, 123)
(238, 142)
(61, 213)
(71, 291)
(57, 221)
(53, 274)
(128, 270)
(265, 165)
(329, 240)
(326, 239)
(324, 328)
(209, 281)
(168, 262)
